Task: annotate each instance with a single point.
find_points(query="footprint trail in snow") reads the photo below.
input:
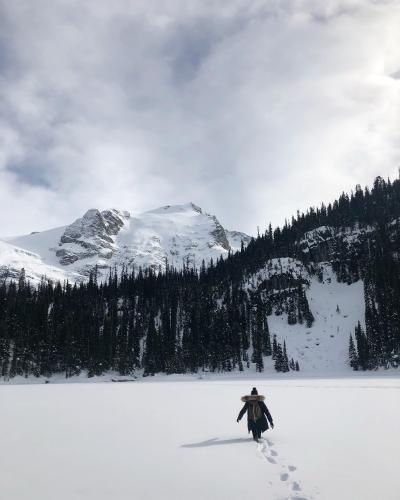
(285, 474)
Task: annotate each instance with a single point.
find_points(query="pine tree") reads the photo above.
(353, 358)
(278, 359)
(258, 338)
(274, 348)
(280, 363)
(285, 364)
(362, 347)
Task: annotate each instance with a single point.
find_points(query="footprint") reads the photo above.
(296, 486)
(265, 448)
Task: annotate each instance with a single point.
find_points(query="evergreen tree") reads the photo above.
(362, 347)
(285, 364)
(274, 348)
(353, 358)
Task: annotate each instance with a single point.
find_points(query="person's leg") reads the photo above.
(255, 434)
(258, 426)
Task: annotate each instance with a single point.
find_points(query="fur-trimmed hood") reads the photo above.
(255, 397)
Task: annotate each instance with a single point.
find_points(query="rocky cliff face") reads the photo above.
(93, 235)
(326, 243)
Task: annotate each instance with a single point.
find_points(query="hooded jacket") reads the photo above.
(257, 413)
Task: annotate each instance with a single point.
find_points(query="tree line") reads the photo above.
(172, 322)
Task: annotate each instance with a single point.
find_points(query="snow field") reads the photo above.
(156, 439)
(13, 259)
(324, 347)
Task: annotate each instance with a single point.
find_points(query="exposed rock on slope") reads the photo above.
(92, 235)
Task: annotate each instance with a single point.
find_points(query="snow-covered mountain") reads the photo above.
(174, 235)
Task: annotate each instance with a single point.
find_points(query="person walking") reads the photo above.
(257, 414)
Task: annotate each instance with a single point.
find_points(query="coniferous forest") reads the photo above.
(145, 321)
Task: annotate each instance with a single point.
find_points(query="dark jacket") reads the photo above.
(261, 423)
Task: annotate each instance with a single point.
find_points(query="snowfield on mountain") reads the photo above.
(175, 438)
(336, 307)
(176, 235)
(13, 259)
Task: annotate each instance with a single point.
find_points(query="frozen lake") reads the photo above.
(178, 438)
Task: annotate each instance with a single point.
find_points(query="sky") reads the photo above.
(250, 109)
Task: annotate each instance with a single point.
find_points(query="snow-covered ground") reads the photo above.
(337, 308)
(177, 438)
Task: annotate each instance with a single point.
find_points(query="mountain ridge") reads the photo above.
(173, 235)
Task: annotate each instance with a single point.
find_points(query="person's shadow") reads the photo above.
(216, 442)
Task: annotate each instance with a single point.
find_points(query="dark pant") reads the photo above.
(255, 428)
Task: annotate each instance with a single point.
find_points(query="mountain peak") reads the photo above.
(170, 209)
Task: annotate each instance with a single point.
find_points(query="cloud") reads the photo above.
(249, 109)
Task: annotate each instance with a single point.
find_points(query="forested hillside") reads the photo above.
(217, 317)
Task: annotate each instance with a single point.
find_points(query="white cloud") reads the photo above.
(249, 109)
